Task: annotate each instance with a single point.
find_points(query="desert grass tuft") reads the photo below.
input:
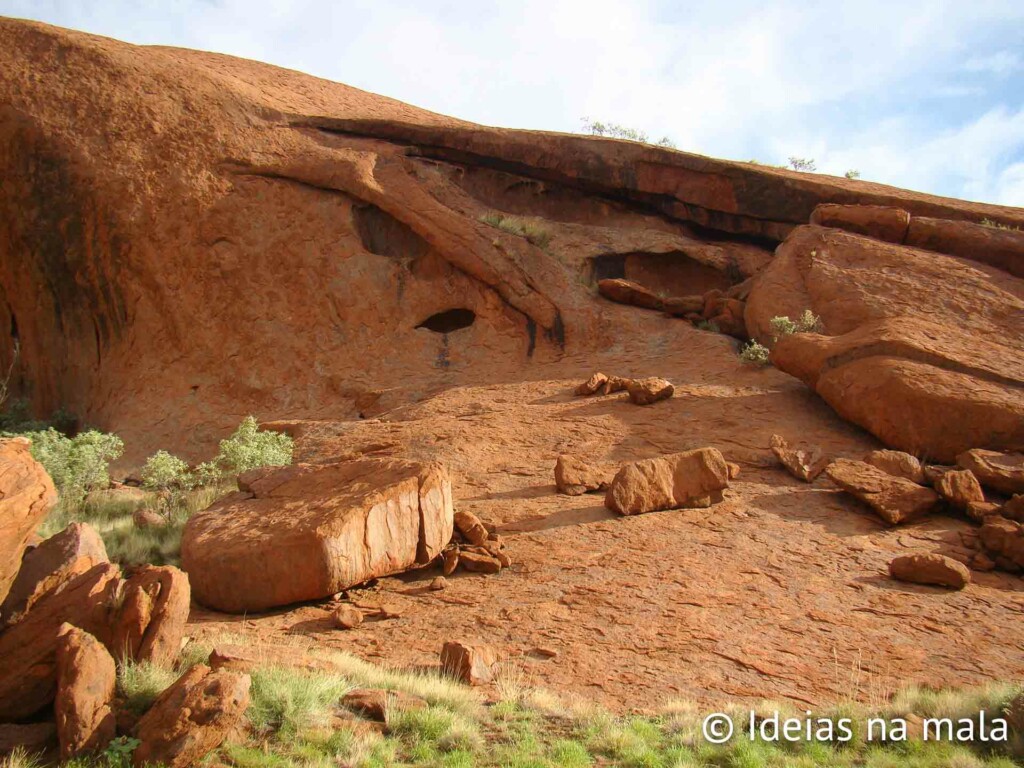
(140, 682)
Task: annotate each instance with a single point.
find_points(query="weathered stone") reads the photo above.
(1003, 472)
(878, 221)
(86, 680)
(937, 570)
(238, 658)
(450, 561)
(147, 518)
(613, 385)
(438, 584)
(628, 292)
(960, 488)
(26, 496)
(191, 718)
(376, 703)
(681, 306)
(802, 463)
(31, 737)
(1014, 509)
(1000, 247)
(479, 562)
(1003, 541)
(648, 391)
(895, 499)
(311, 531)
(50, 566)
(28, 675)
(575, 476)
(979, 510)
(898, 464)
(668, 482)
(470, 527)
(347, 617)
(154, 611)
(472, 663)
(591, 385)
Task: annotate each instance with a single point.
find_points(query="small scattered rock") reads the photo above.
(547, 653)
(575, 476)
(803, 463)
(386, 612)
(470, 527)
(960, 488)
(191, 718)
(650, 390)
(472, 663)
(898, 464)
(1014, 509)
(613, 385)
(689, 479)
(147, 518)
(477, 562)
(1003, 472)
(438, 584)
(932, 569)
(1003, 542)
(375, 703)
(932, 473)
(982, 562)
(347, 617)
(591, 385)
(734, 470)
(86, 679)
(450, 561)
(895, 499)
(979, 510)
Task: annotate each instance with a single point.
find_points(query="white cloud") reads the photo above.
(736, 78)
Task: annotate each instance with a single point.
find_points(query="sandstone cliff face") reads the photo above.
(186, 238)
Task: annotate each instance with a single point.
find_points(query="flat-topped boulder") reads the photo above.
(308, 531)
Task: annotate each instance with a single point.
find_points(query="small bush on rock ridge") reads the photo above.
(249, 448)
(808, 322)
(515, 225)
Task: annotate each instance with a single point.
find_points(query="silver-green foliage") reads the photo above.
(76, 464)
(754, 353)
(249, 448)
(808, 322)
(164, 472)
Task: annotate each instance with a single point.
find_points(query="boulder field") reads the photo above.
(187, 237)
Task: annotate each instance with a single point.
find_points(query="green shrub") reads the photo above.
(853, 173)
(249, 448)
(77, 464)
(140, 682)
(804, 164)
(997, 225)
(165, 472)
(808, 322)
(754, 353)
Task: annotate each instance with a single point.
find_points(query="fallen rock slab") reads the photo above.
(154, 612)
(471, 527)
(591, 385)
(28, 675)
(575, 476)
(472, 663)
(933, 569)
(1003, 472)
(648, 391)
(802, 463)
(86, 680)
(347, 617)
(689, 479)
(479, 562)
(878, 221)
(895, 499)
(50, 565)
(309, 531)
(898, 464)
(191, 718)
(26, 497)
(627, 292)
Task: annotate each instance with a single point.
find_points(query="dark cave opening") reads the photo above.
(450, 320)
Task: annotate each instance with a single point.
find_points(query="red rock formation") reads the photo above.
(26, 495)
(186, 237)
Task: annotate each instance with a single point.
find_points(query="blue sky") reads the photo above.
(925, 95)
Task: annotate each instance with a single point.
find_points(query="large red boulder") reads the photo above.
(26, 496)
(151, 620)
(308, 531)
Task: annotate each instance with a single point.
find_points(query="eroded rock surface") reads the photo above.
(26, 496)
(309, 531)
